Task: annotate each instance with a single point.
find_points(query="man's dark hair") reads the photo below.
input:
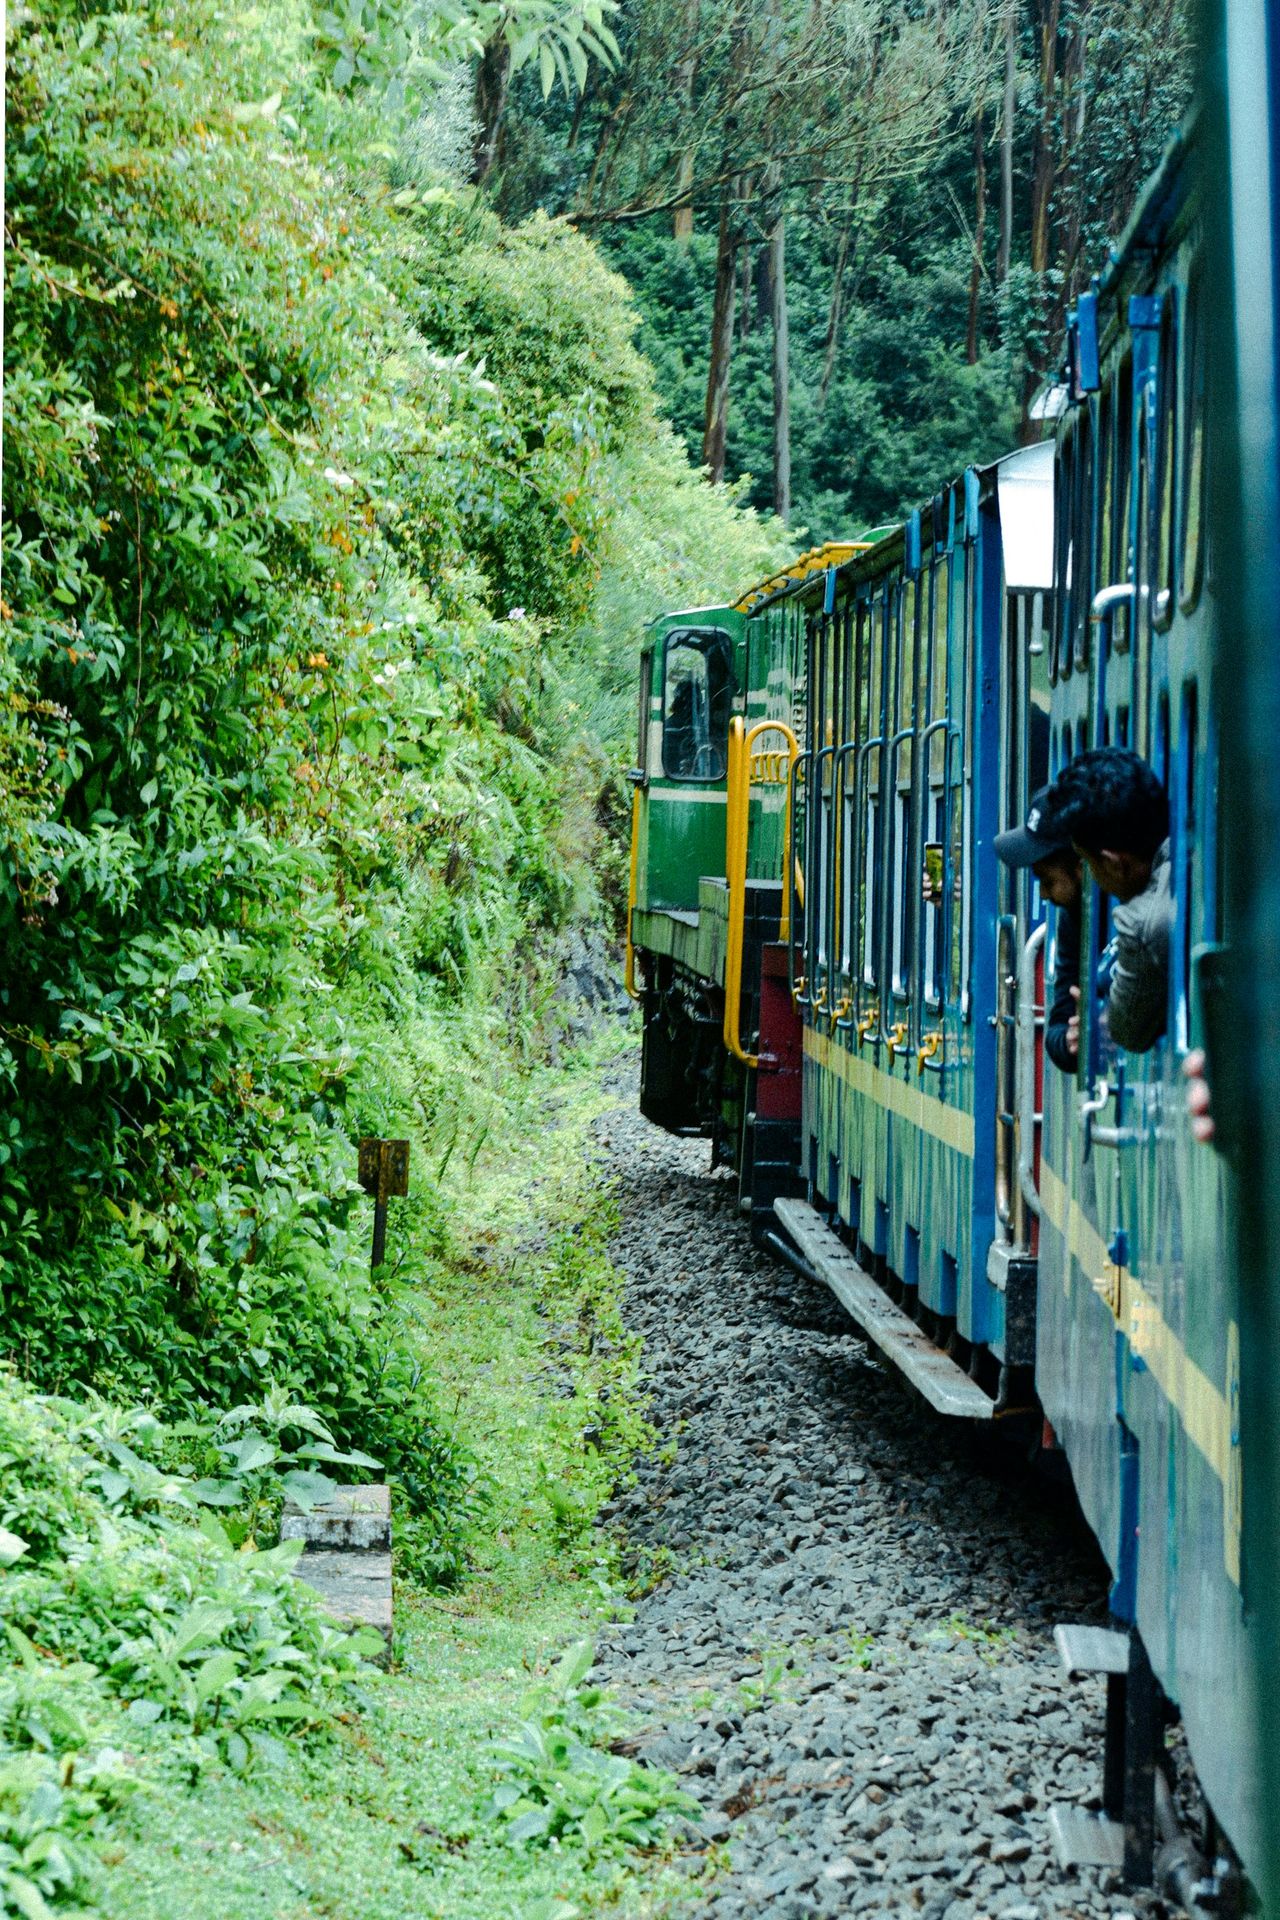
(1110, 798)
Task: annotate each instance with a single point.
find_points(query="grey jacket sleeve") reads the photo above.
(1137, 1005)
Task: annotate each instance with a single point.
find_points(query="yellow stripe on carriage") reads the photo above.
(952, 1125)
(1202, 1408)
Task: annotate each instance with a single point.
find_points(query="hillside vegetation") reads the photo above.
(331, 507)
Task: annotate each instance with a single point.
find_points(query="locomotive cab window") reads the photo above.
(646, 694)
(697, 705)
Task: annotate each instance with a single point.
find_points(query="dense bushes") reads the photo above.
(323, 500)
(142, 1640)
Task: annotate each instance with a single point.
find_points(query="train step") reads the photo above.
(1084, 1839)
(1091, 1650)
(942, 1383)
(1123, 1834)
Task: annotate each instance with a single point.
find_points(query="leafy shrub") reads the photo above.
(559, 1781)
(319, 487)
(137, 1635)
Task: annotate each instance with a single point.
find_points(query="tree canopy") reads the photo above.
(857, 225)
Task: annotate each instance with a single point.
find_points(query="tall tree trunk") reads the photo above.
(781, 365)
(835, 312)
(493, 83)
(682, 216)
(1044, 180)
(745, 304)
(1004, 250)
(686, 75)
(979, 230)
(716, 415)
(764, 286)
(579, 108)
(1044, 169)
(1074, 119)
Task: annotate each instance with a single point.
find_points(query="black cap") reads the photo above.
(1037, 840)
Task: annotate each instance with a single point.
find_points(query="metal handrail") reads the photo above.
(890, 787)
(934, 726)
(843, 752)
(796, 988)
(859, 814)
(629, 976)
(813, 816)
(1029, 1020)
(1002, 1021)
(737, 828)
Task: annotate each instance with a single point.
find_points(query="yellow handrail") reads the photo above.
(629, 978)
(737, 823)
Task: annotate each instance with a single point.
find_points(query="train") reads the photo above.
(844, 989)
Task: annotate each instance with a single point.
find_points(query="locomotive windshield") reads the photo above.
(697, 705)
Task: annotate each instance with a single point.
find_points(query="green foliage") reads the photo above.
(139, 1638)
(560, 1783)
(327, 500)
(321, 494)
(401, 53)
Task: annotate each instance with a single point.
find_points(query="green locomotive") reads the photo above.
(713, 882)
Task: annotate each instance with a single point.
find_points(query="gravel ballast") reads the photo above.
(846, 1650)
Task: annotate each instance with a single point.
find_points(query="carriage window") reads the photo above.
(958, 877)
(1121, 543)
(1185, 870)
(698, 705)
(880, 632)
(862, 729)
(1160, 758)
(934, 707)
(1166, 450)
(964, 906)
(939, 613)
(904, 755)
(1193, 452)
(1083, 545)
(843, 767)
(1063, 567)
(1105, 459)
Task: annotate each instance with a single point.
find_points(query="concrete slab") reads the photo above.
(347, 1556)
(357, 1519)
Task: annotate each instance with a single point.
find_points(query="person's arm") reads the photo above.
(1065, 1004)
(1137, 1005)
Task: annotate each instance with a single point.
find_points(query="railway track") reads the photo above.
(848, 1650)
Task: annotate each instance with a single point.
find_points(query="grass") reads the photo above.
(387, 1823)
(521, 1329)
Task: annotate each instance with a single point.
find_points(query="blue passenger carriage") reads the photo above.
(1138, 1347)
(920, 691)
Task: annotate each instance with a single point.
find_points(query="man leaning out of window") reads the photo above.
(1116, 812)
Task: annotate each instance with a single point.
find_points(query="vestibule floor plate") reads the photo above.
(943, 1384)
